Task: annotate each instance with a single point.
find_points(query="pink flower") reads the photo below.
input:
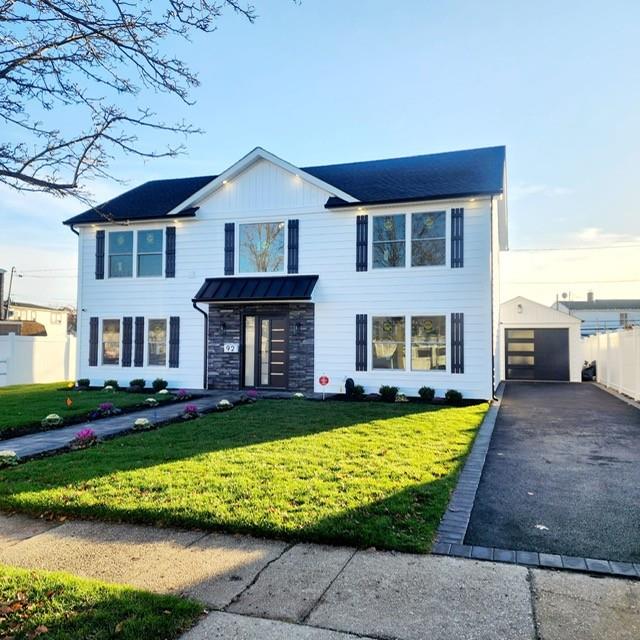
(181, 393)
(105, 406)
(191, 408)
(85, 434)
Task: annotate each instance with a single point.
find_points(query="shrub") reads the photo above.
(8, 458)
(224, 405)
(190, 411)
(387, 393)
(349, 384)
(401, 398)
(298, 396)
(427, 394)
(83, 439)
(358, 392)
(52, 420)
(141, 424)
(151, 402)
(158, 384)
(111, 383)
(163, 392)
(137, 385)
(83, 383)
(453, 397)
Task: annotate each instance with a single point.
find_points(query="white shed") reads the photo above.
(538, 342)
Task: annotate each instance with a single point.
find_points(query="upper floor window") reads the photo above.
(261, 247)
(157, 342)
(388, 342)
(389, 241)
(56, 317)
(428, 343)
(120, 254)
(111, 342)
(150, 253)
(428, 239)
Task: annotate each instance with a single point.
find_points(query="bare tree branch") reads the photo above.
(89, 56)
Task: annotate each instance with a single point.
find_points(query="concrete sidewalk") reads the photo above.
(265, 589)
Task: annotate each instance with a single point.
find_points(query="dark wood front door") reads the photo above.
(266, 352)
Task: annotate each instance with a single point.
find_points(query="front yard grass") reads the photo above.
(365, 474)
(58, 606)
(22, 407)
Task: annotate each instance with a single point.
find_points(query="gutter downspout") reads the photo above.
(205, 380)
(74, 230)
(493, 346)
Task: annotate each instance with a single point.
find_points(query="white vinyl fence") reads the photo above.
(617, 356)
(28, 359)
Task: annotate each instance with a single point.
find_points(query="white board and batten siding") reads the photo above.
(265, 192)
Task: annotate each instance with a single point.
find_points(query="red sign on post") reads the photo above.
(323, 380)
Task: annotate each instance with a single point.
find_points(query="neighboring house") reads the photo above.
(602, 315)
(274, 276)
(539, 343)
(53, 319)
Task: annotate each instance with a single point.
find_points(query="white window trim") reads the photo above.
(285, 261)
(407, 338)
(146, 342)
(102, 362)
(134, 255)
(408, 241)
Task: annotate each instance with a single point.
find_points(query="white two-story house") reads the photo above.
(273, 276)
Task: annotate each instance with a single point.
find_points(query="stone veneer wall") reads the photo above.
(224, 368)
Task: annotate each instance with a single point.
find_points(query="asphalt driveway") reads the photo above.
(562, 474)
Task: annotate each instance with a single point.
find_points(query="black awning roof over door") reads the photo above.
(256, 289)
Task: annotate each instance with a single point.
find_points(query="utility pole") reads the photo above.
(18, 275)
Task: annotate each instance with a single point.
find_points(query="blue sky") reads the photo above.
(329, 81)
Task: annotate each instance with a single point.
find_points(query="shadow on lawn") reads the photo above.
(404, 520)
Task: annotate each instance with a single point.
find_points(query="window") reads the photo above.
(261, 247)
(624, 320)
(120, 254)
(56, 318)
(157, 343)
(428, 239)
(111, 342)
(150, 253)
(389, 241)
(388, 342)
(428, 343)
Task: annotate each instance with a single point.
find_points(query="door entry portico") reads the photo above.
(266, 351)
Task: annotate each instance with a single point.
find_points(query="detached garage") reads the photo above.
(538, 342)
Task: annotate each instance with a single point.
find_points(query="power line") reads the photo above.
(558, 282)
(602, 246)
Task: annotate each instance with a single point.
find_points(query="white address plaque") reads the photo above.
(231, 347)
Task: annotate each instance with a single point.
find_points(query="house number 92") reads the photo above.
(231, 347)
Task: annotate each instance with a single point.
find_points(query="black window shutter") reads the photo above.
(229, 239)
(170, 253)
(127, 324)
(292, 263)
(362, 234)
(100, 255)
(361, 342)
(174, 342)
(138, 356)
(93, 342)
(457, 238)
(457, 343)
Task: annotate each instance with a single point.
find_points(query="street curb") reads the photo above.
(450, 536)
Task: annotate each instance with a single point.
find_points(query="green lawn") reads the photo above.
(58, 606)
(358, 473)
(22, 407)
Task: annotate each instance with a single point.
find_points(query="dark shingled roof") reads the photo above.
(454, 174)
(250, 289)
(440, 175)
(599, 305)
(148, 201)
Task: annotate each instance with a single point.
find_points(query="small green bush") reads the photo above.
(358, 392)
(453, 397)
(111, 383)
(158, 384)
(137, 384)
(83, 383)
(427, 393)
(387, 393)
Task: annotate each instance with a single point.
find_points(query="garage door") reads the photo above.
(537, 354)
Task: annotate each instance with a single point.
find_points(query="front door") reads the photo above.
(266, 353)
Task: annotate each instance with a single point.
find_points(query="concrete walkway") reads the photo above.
(47, 441)
(264, 589)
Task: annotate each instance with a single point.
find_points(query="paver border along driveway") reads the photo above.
(562, 477)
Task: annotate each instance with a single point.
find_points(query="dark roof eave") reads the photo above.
(338, 203)
(186, 213)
